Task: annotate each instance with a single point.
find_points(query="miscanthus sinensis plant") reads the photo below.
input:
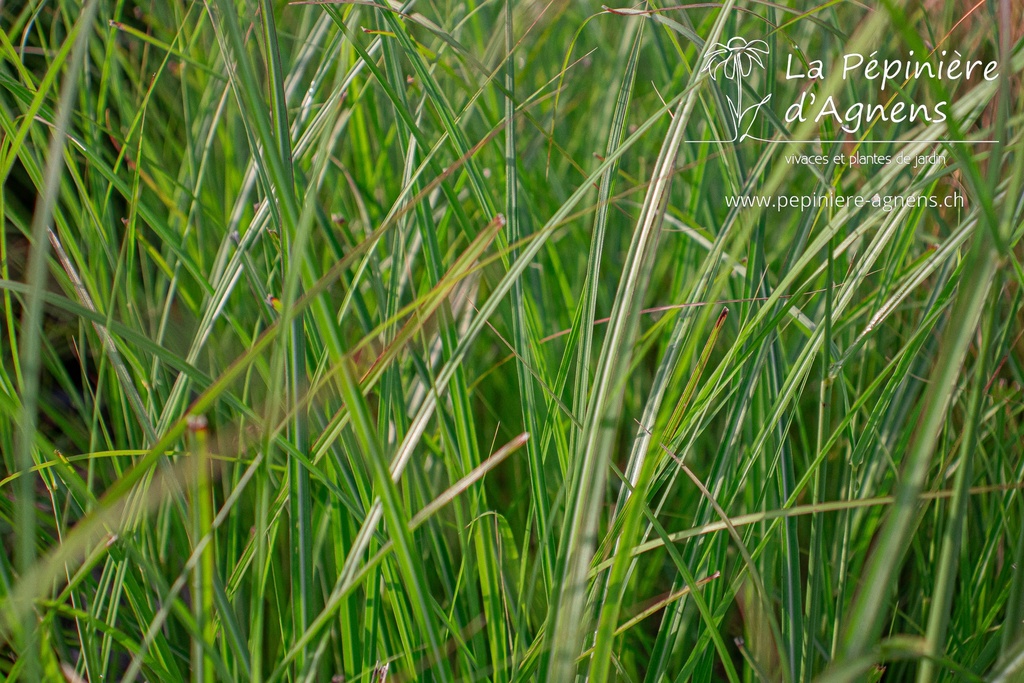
(366, 341)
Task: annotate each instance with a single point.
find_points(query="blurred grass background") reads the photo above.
(350, 341)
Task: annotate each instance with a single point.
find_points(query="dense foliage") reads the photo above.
(359, 341)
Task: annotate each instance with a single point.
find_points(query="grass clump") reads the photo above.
(355, 341)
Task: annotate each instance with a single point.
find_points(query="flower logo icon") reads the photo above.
(736, 59)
